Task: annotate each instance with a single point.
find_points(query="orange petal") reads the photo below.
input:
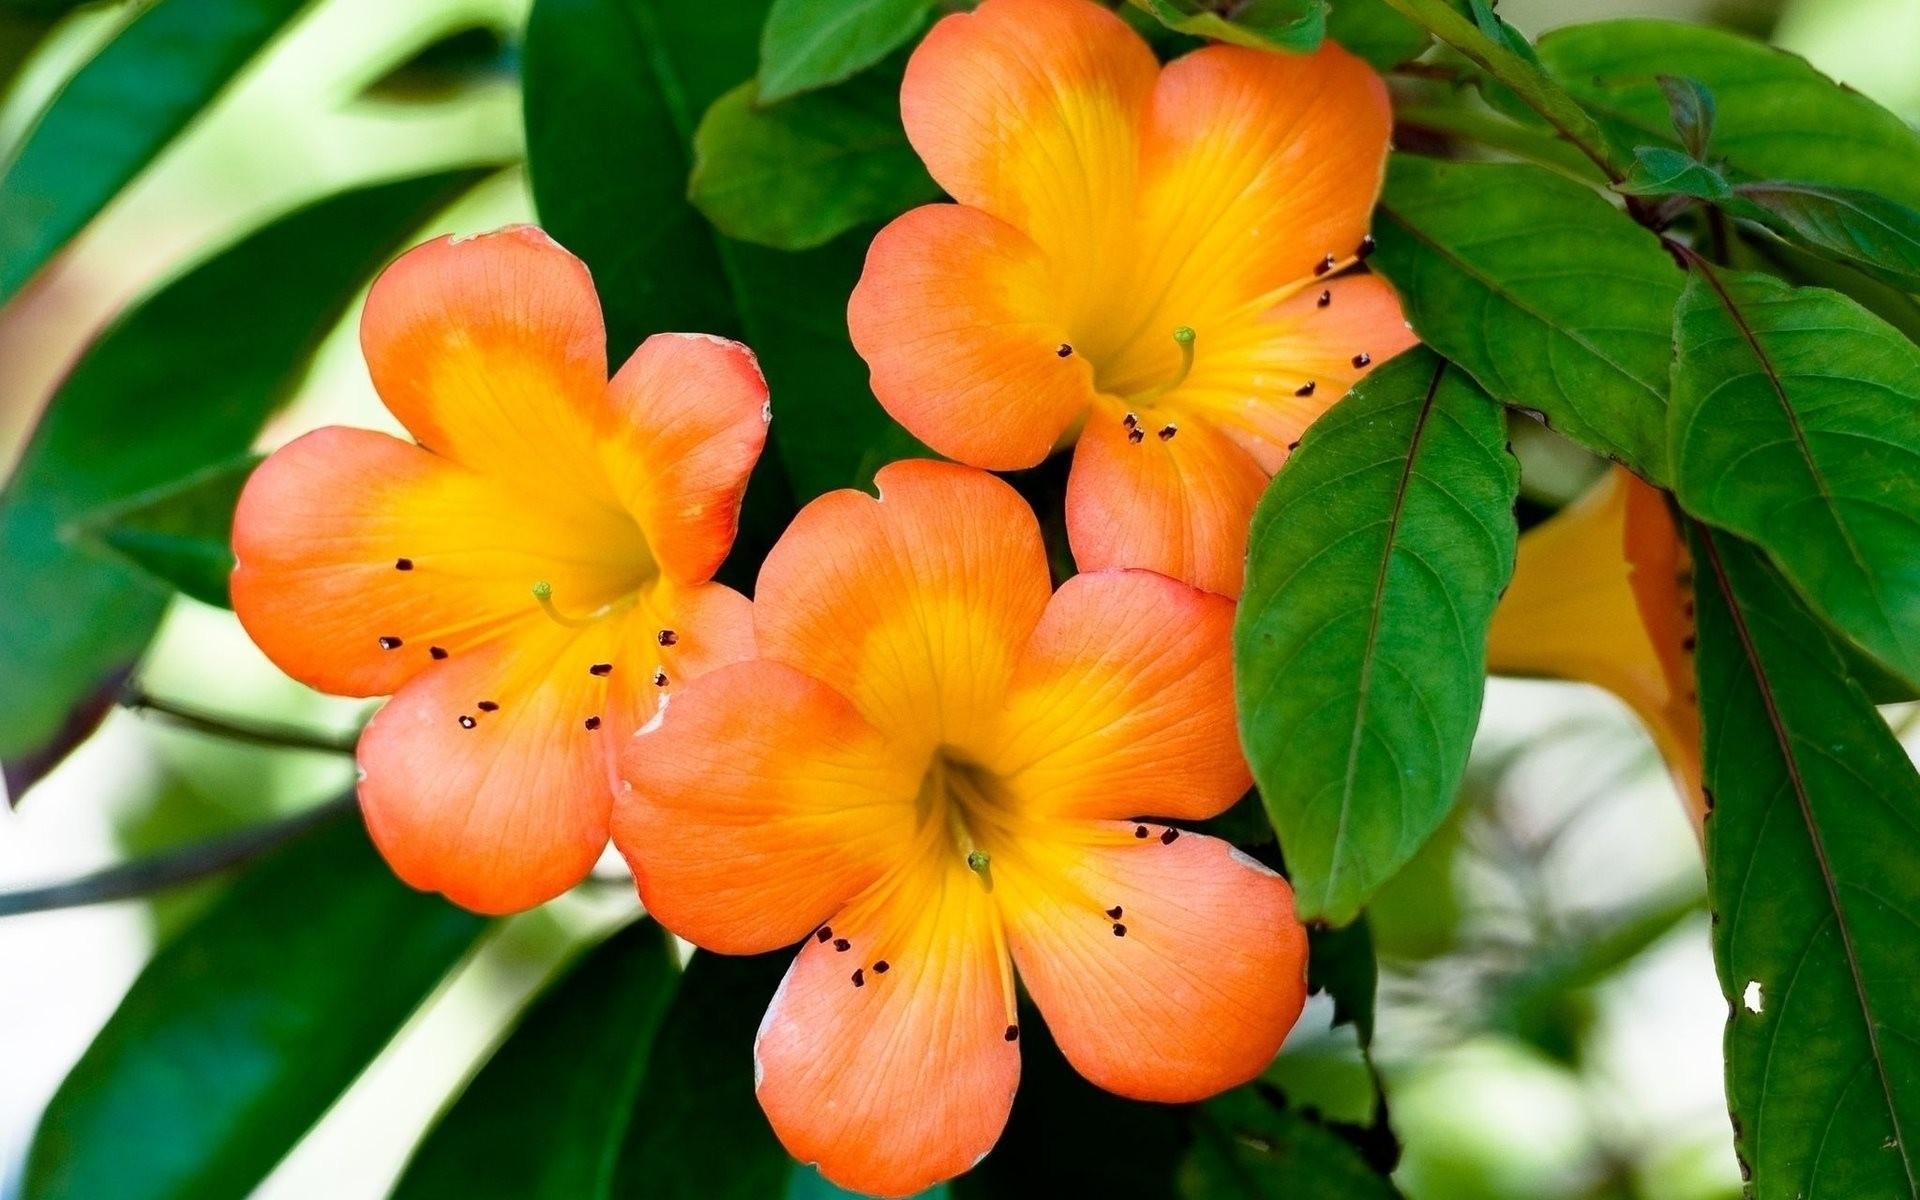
(1599, 595)
(1122, 704)
(1178, 504)
(957, 319)
(913, 606)
(491, 350)
(350, 542)
(684, 422)
(674, 635)
(892, 1063)
(760, 803)
(1166, 970)
(1248, 381)
(1030, 110)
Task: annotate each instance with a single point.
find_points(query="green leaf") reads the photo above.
(809, 44)
(1777, 117)
(1374, 563)
(545, 1117)
(1293, 25)
(184, 379)
(1691, 109)
(1659, 171)
(800, 174)
(613, 91)
(1375, 32)
(696, 1130)
(1811, 842)
(246, 1026)
(1554, 300)
(1796, 424)
(1342, 965)
(118, 112)
(1250, 1147)
(1869, 231)
(181, 532)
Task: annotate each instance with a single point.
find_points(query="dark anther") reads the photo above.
(859, 977)
(659, 679)
(1687, 643)
(1362, 359)
(467, 722)
(1136, 435)
(437, 653)
(487, 706)
(1139, 831)
(403, 564)
(824, 932)
(601, 669)
(1167, 432)
(389, 643)
(1323, 266)
(593, 723)
(1065, 351)
(1366, 247)
(842, 945)
(1130, 420)
(1013, 1033)
(881, 967)
(1325, 299)
(1119, 930)
(1166, 839)
(1305, 389)
(666, 637)
(1115, 912)
(1293, 445)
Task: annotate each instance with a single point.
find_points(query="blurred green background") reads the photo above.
(1549, 1024)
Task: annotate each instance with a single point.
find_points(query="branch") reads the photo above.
(237, 729)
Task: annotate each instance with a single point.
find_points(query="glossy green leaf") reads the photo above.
(246, 1026)
(1796, 424)
(544, 1119)
(1659, 171)
(1812, 843)
(614, 89)
(1251, 1147)
(117, 113)
(1775, 116)
(1374, 563)
(1868, 231)
(696, 1131)
(180, 533)
(1342, 964)
(1375, 32)
(186, 378)
(799, 174)
(1553, 299)
(1293, 25)
(809, 44)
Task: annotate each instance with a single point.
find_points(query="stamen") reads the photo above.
(1130, 420)
(824, 933)
(593, 723)
(403, 564)
(1167, 432)
(467, 722)
(666, 637)
(1119, 930)
(1140, 831)
(600, 669)
(487, 706)
(1116, 912)
(842, 945)
(437, 653)
(1136, 436)
(978, 861)
(1362, 359)
(1167, 838)
(1305, 389)
(1324, 265)
(1065, 350)
(1013, 1033)
(1366, 247)
(882, 967)
(660, 678)
(1325, 299)
(389, 642)
(859, 977)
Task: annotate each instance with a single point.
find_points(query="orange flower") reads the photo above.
(1601, 594)
(1142, 259)
(527, 580)
(935, 772)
